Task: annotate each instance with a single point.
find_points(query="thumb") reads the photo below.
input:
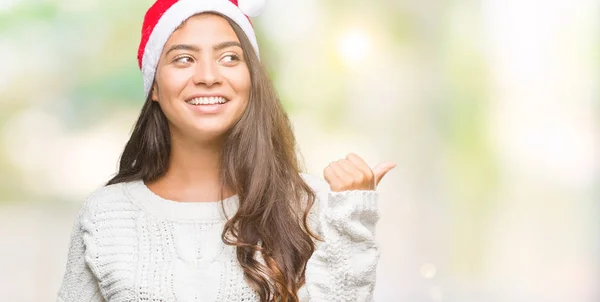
(380, 170)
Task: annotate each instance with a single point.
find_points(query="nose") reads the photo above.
(207, 73)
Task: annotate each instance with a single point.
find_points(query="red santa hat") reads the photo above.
(164, 16)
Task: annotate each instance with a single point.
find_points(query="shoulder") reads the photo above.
(104, 199)
(316, 183)
(319, 186)
(321, 189)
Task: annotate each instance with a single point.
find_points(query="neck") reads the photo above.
(193, 162)
(193, 173)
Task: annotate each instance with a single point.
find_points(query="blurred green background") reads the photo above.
(490, 108)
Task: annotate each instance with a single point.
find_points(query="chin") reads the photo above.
(209, 132)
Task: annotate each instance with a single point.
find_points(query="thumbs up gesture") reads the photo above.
(353, 173)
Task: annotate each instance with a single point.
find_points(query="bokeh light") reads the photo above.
(354, 46)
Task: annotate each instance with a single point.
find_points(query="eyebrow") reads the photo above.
(189, 47)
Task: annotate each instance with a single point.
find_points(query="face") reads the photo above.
(202, 81)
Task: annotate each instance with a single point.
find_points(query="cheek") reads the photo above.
(170, 84)
(172, 81)
(243, 85)
(244, 93)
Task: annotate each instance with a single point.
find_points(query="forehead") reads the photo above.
(205, 28)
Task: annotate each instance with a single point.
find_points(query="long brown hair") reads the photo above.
(259, 163)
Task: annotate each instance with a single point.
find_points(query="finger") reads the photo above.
(342, 174)
(332, 179)
(381, 169)
(360, 164)
(351, 168)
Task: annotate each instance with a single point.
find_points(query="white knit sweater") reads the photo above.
(129, 244)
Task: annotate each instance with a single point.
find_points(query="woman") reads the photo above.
(208, 203)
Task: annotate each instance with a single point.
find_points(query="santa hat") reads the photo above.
(166, 15)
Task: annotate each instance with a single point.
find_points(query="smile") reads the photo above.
(207, 101)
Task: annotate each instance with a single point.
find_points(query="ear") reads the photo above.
(154, 92)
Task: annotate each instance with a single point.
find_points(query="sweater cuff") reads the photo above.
(357, 200)
(352, 213)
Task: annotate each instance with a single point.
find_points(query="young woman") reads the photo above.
(208, 203)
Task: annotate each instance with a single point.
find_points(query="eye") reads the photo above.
(183, 59)
(230, 58)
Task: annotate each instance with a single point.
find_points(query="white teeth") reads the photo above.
(207, 101)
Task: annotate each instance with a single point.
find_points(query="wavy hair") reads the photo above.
(259, 163)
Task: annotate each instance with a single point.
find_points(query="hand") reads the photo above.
(353, 173)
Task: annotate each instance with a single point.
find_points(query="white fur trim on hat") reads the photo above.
(173, 17)
(252, 8)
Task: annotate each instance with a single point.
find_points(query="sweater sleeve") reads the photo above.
(343, 266)
(79, 283)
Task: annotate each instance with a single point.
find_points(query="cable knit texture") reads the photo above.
(129, 244)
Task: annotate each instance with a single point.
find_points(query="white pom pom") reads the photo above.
(252, 8)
